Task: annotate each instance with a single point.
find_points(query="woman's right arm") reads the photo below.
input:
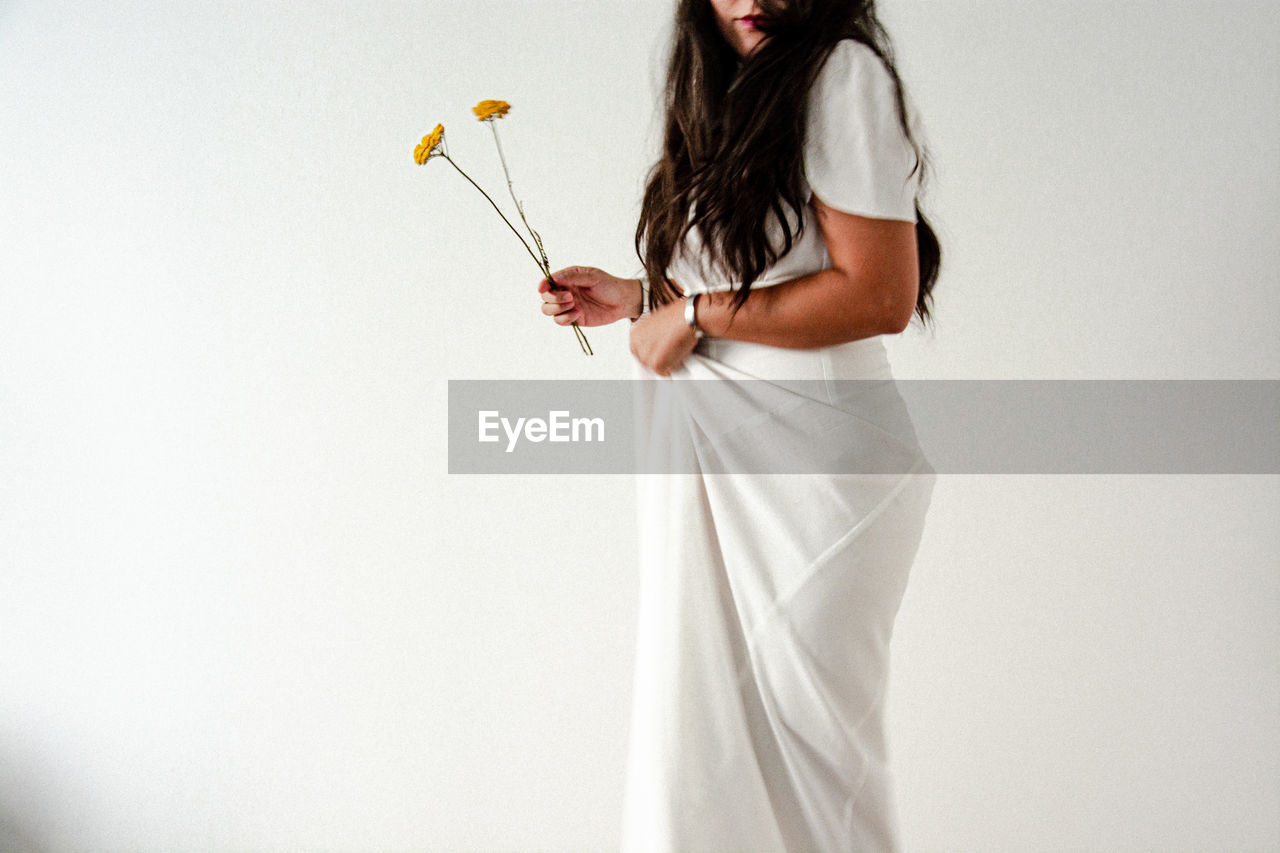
(590, 297)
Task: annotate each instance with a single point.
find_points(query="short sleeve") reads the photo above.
(857, 158)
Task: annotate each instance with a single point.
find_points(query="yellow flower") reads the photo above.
(489, 110)
(427, 148)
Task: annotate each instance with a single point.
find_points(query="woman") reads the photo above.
(781, 238)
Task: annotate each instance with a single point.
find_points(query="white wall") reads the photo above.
(244, 607)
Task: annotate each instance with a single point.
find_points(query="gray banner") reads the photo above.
(864, 426)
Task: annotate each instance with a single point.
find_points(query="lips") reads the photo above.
(754, 22)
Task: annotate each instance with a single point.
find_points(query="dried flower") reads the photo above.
(427, 148)
(489, 110)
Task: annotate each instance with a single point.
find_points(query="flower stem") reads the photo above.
(541, 262)
(500, 213)
(537, 240)
(511, 189)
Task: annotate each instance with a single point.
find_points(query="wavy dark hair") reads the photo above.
(734, 140)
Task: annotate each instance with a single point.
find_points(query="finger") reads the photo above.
(555, 310)
(576, 276)
(563, 297)
(556, 283)
(567, 317)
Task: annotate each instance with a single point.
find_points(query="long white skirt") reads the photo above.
(767, 605)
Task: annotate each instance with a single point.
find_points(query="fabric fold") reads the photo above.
(767, 605)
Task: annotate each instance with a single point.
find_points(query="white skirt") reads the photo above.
(767, 603)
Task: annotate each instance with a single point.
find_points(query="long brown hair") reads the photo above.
(734, 138)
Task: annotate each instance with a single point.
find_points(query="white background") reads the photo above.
(244, 607)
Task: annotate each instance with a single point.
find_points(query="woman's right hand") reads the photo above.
(589, 297)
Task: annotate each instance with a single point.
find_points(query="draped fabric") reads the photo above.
(767, 601)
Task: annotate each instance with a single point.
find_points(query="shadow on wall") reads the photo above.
(16, 838)
(25, 806)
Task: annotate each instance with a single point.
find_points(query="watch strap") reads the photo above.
(691, 313)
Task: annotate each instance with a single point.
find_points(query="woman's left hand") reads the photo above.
(661, 340)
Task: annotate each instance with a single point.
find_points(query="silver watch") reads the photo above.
(690, 313)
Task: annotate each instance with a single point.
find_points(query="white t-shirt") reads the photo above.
(856, 158)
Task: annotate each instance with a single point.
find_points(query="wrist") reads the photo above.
(639, 302)
(707, 315)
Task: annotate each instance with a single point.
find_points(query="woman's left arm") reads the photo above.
(870, 290)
